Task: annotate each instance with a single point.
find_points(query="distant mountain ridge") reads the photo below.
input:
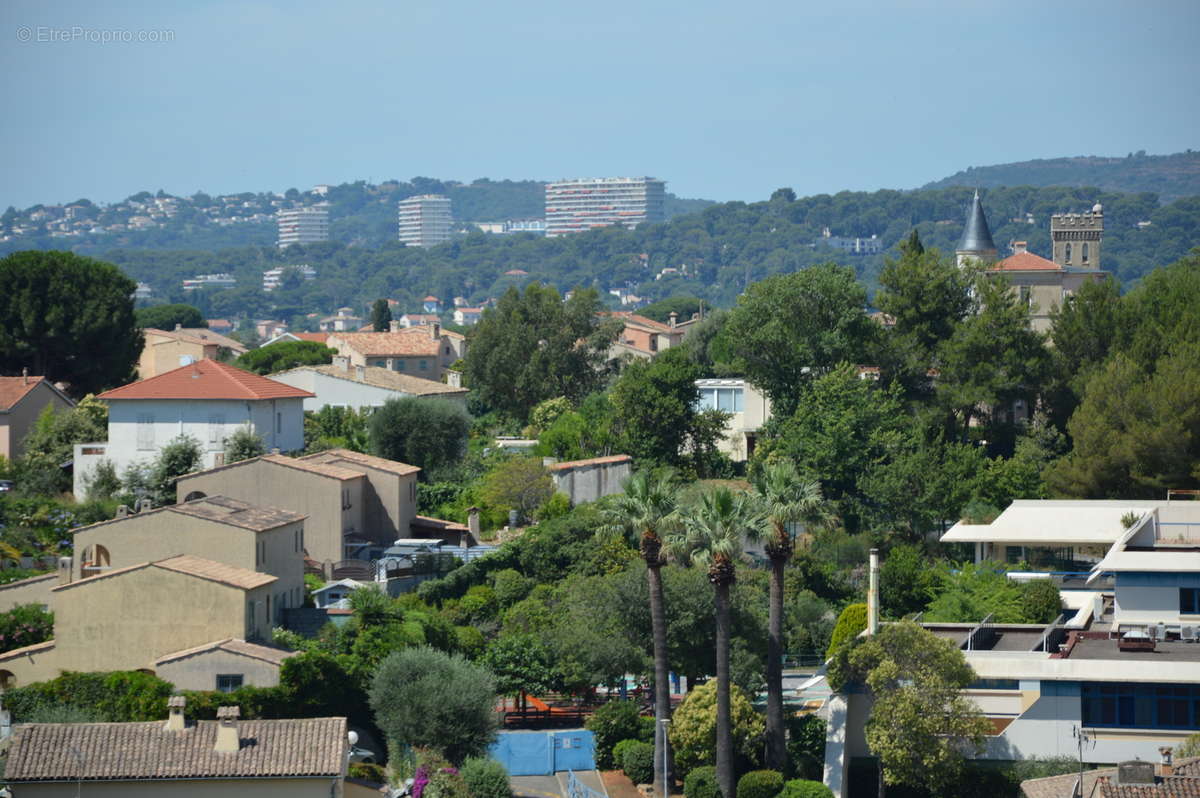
(1169, 176)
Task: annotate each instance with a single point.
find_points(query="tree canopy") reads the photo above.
(166, 317)
(68, 318)
(285, 355)
(428, 433)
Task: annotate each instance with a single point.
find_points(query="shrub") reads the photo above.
(618, 752)
(1040, 601)
(368, 772)
(486, 778)
(25, 625)
(760, 784)
(244, 444)
(637, 760)
(805, 746)
(701, 782)
(849, 624)
(612, 723)
(693, 731)
(803, 788)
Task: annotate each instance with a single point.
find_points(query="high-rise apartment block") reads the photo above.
(425, 220)
(1075, 238)
(573, 206)
(303, 225)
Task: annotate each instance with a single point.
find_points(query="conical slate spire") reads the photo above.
(976, 237)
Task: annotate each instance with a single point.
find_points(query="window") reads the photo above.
(727, 399)
(1067, 257)
(1083, 253)
(145, 431)
(1026, 295)
(1142, 706)
(399, 365)
(423, 365)
(216, 432)
(1189, 601)
(346, 505)
(278, 423)
(228, 682)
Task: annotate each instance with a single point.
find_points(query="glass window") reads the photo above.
(1189, 601)
(228, 682)
(708, 398)
(399, 365)
(423, 365)
(1083, 253)
(1068, 252)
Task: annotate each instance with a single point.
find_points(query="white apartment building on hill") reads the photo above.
(573, 206)
(425, 220)
(303, 225)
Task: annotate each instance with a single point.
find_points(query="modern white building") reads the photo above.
(306, 225)
(206, 400)
(425, 220)
(273, 278)
(573, 206)
(1121, 665)
(209, 281)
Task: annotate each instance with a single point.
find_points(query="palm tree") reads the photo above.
(784, 499)
(648, 510)
(712, 536)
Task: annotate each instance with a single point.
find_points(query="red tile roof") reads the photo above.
(1026, 262)
(641, 321)
(594, 461)
(14, 389)
(319, 337)
(206, 379)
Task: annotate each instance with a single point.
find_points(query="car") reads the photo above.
(6, 485)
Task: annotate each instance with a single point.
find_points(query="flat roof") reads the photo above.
(1053, 521)
(1161, 560)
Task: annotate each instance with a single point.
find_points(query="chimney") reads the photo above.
(178, 326)
(228, 741)
(435, 330)
(341, 362)
(394, 326)
(672, 318)
(473, 525)
(1019, 246)
(175, 719)
(873, 595)
(64, 570)
(1166, 766)
(25, 375)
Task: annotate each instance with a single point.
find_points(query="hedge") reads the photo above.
(637, 760)
(701, 782)
(803, 788)
(760, 784)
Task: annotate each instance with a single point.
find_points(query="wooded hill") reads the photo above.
(714, 252)
(1169, 176)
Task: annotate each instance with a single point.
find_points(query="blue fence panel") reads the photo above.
(525, 753)
(574, 750)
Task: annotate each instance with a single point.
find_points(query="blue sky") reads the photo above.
(724, 100)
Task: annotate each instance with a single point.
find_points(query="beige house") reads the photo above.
(129, 618)
(22, 400)
(223, 665)
(217, 528)
(353, 502)
(425, 352)
(341, 385)
(164, 350)
(643, 337)
(297, 758)
(1041, 285)
(749, 410)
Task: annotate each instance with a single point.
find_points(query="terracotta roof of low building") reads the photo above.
(385, 378)
(215, 571)
(333, 456)
(14, 389)
(593, 461)
(220, 509)
(638, 320)
(1187, 769)
(428, 522)
(206, 379)
(319, 337)
(413, 342)
(1026, 262)
(299, 464)
(36, 648)
(309, 747)
(270, 654)
(208, 336)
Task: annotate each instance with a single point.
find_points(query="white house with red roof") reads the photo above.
(206, 400)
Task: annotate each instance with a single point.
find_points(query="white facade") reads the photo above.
(138, 429)
(273, 278)
(349, 391)
(749, 410)
(303, 225)
(573, 206)
(425, 220)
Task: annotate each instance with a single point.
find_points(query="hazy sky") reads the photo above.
(724, 100)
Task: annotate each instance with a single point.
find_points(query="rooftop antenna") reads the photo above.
(1082, 737)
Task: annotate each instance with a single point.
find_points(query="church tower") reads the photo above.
(976, 242)
(1076, 238)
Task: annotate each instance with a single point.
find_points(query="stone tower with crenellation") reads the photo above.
(1076, 238)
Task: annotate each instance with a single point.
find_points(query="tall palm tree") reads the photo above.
(711, 538)
(648, 510)
(784, 499)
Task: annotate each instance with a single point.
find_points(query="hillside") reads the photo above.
(361, 214)
(1169, 176)
(710, 254)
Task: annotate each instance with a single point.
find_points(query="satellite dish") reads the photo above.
(352, 737)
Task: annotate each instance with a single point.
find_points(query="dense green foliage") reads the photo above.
(805, 788)
(760, 784)
(181, 455)
(486, 778)
(693, 732)
(69, 319)
(284, 355)
(25, 625)
(1169, 176)
(167, 317)
(969, 592)
(427, 433)
(701, 782)
(637, 761)
(115, 697)
(52, 441)
(849, 625)
(610, 724)
(806, 746)
(424, 697)
(244, 444)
